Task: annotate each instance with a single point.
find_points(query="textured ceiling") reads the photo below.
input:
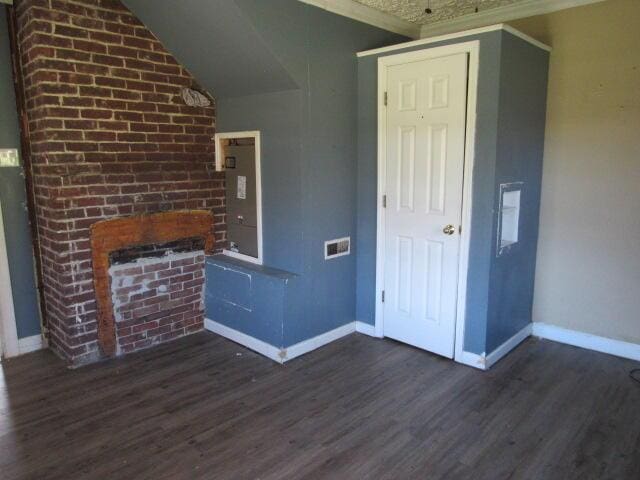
(413, 10)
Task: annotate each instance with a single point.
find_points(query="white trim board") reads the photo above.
(472, 360)
(366, 329)
(554, 333)
(480, 361)
(484, 361)
(453, 36)
(30, 344)
(368, 15)
(507, 346)
(8, 329)
(289, 353)
(280, 355)
(522, 9)
(472, 49)
(243, 339)
(597, 343)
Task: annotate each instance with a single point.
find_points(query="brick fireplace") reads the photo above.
(163, 295)
(110, 137)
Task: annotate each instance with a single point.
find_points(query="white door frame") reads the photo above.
(472, 48)
(8, 329)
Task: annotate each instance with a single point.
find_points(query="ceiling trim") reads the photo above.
(526, 8)
(450, 36)
(365, 14)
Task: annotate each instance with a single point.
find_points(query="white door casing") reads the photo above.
(8, 329)
(425, 158)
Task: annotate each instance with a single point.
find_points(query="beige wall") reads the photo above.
(588, 273)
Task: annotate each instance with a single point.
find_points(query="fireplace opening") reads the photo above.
(157, 293)
(149, 277)
(155, 250)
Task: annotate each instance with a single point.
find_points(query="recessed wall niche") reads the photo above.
(509, 216)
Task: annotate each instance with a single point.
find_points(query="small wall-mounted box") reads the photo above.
(9, 157)
(509, 216)
(337, 248)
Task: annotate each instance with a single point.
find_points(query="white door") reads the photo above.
(426, 103)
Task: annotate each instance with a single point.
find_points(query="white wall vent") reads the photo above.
(337, 248)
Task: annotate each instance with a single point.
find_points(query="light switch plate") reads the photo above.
(9, 157)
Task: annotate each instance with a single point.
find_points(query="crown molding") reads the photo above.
(455, 35)
(526, 8)
(365, 14)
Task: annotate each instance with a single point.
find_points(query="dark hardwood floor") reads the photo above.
(360, 408)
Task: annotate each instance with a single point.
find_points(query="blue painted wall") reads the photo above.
(316, 108)
(496, 306)
(520, 148)
(315, 189)
(324, 65)
(13, 201)
(309, 135)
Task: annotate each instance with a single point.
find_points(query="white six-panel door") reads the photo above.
(425, 138)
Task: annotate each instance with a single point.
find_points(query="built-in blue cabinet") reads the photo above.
(249, 299)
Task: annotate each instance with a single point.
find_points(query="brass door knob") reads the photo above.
(449, 230)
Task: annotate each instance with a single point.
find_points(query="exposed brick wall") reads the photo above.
(157, 299)
(110, 136)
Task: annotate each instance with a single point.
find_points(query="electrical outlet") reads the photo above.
(9, 157)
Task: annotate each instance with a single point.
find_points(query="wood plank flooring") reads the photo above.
(360, 408)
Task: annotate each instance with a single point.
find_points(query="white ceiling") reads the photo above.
(414, 10)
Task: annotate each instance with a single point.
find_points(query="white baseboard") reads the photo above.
(366, 329)
(277, 354)
(479, 361)
(306, 346)
(507, 346)
(472, 360)
(588, 341)
(248, 341)
(485, 362)
(30, 344)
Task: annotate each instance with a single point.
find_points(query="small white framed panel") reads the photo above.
(255, 134)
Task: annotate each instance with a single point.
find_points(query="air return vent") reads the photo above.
(337, 248)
